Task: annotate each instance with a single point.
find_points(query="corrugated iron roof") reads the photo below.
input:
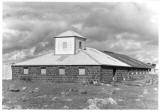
(90, 56)
(70, 33)
(126, 59)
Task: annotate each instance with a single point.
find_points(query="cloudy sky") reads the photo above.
(128, 28)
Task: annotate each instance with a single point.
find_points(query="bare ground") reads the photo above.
(47, 95)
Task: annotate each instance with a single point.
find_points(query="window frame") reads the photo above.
(43, 68)
(61, 71)
(80, 72)
(25, 71)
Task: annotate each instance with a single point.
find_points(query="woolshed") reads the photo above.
(72, 61)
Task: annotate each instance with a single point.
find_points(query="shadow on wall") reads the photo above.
(6, 72)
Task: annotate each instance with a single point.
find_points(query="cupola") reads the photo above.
(69, 42)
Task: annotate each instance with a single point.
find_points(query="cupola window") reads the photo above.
(80, 45)
(64, 45)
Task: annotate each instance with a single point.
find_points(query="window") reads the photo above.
(64, 45)
(25, 71)
(61, 71)
(43, 71)
(81, 71)
(80, 45)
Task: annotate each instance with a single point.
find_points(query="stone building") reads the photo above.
(72, 61)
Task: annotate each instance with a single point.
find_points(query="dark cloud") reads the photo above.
(40, 32)
(119, 27)
(125, 17)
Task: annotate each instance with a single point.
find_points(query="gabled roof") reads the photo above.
(128, 60)
(69, 33)
(90, 56)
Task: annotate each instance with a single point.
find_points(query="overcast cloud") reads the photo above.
(128, 28)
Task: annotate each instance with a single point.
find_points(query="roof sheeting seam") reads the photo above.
(111, 58)
(92, 58)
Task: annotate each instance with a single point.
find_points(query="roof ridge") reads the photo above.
(69, 33)
(108, 51)
(91, 57)
(111, 57)
(135, 61)
(108, 56)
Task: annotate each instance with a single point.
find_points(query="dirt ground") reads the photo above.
(48, 95)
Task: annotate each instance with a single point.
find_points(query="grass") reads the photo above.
(49, 95)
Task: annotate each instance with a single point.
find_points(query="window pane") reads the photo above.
(25, 71)
(43, 71)
(62, 71)
(80, 45)
(64, 44)
(81, 71)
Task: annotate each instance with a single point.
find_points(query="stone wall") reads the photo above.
(52, 73)
(121, 74)
(16, 72)
(106, 74)
(34, 71)
(51, 70)
(118, 74)
(103, 74)
(129, 74)
(137, 74)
